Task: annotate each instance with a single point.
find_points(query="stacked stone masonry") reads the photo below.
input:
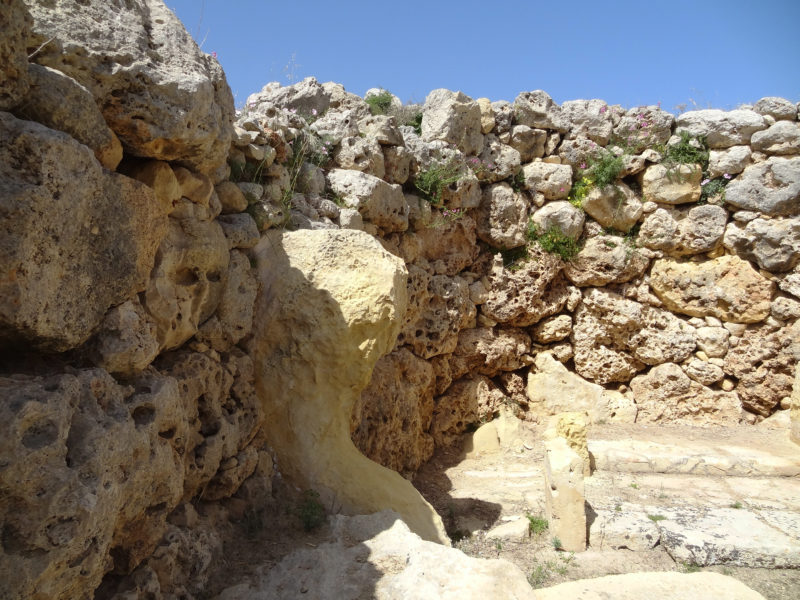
(131, 197)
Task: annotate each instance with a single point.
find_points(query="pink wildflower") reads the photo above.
(603, 109)
(214, 54)
(583, 165)
(726, 176)
(314, 111)
(705, 181)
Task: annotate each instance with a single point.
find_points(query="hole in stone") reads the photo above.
(144, 415)
(40, 435)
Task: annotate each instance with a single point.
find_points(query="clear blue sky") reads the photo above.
(718, 53)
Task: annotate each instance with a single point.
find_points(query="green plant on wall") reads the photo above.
(553, 241)
(432, 181)
(379, 103)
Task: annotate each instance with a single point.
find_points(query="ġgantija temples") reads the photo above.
(336, 347)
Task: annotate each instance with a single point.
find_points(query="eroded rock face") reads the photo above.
(331, 301)
(684, 232)
(726, 287)
(537, 110)
(467, 401)
(69, 251)
(93, 467)
(676, 185)
(15, 24)
(763, 362)
(140, 72)
(771, 187)
(528, 294)
(390, 420)
(614, 206)
(606, 259)
(774, 244)
(722, 129)
(188, 279)
(667, 395)
(614, 337)
(503, 217)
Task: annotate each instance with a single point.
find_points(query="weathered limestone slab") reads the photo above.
(376, 556)
(731, 536)
(664, 586)
(627, 528)
(564, 496)
(329, 308)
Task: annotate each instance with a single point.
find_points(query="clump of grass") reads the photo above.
(379, 103)
(557, 545)
(432, 181)
(553, 241)
(635, 486)
(656, 518)
(606, 169)
(310, 510)
(536, 525)
(690, 567)
(713, 187)
(689, 150)
(736, 505)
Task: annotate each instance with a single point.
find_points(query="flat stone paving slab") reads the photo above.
(712, 451)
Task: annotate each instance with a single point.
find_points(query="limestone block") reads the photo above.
(794, 432)
(564, 495)
(777, 108)
(487, 115)
(127, 340)
(684, 231)
(439, 307)
(732, 161)
(231, 197)
(704, 373)
(553, 329)
(782, 138)
(240, 230)
(378, 202)
(467, 401)
(763, 362)
(536, 109)
(497, 160)
(667, 394)
(188, 279)
(381, 128)
(554, 181)
(233, 318)
(488, 351)
(553, 389)
(516, 530)
(335, 125)
(726, 287)
(771, 187)
(15, 24)
(632, 335)
(561, 214)
(330, 300)
(376, 556)
(672, 185)
(502, 218)
(143, 100)
(454, 118)
(664, 586)
(527, 295)
(361, 154)
(161, 178)
(614, 206)
(606, 259)
(451, 247)
(59, 102)
(391, 418)
(304, 97)
(626, 529)
(589, 118)
(722, 129)
(644, 127)
(503, 116)
(68, 252)
(528, 142)
(774, 244)
(397, 162)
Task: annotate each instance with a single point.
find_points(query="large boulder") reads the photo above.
(15, 24)
(502, 219)
(722, 129)
(771, 187)
(682, 231)
(562, 215)
(454, 118)
(378, 202)
(606, 259)
(781, 138)
(589, 118)
(330, 305)
(60, 102)
(551, 180)
(158, 92)
(774, 244)
(672, 185)
(76, 240)
(614, 205)
(537, 110)
(726, 287)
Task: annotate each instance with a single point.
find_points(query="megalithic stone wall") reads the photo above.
(643, 265)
